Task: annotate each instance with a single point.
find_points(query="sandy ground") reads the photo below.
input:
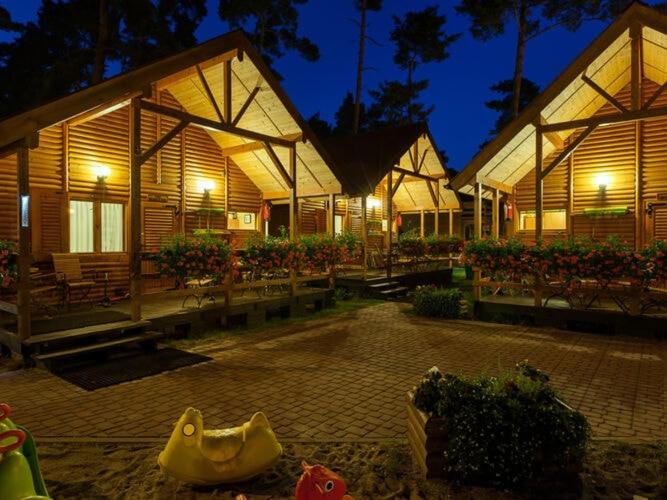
(372, 471)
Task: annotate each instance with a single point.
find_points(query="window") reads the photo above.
(112, 227)
(241, 220)
(338, 224)
(81, 226)
(96, 227)
(551, 220)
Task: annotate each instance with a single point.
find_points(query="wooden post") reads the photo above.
(436, 216)
(364, 236)
(570, 195)
(293, 201)
(421, 223)
(183, 201)
(332, 215)
(495, 214)
(636, 66)
(390, 220)
(639, 201)
(227, 89)
(477, 210)
(451, 233)
(134, 252)
(24, 235)
(539, 183)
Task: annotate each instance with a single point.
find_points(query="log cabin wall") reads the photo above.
(63, 167)
(612, 151)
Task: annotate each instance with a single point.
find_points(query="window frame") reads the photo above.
(97, 224)
(533, 214)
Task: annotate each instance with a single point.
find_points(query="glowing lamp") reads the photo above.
(101, 172)
(206, 185)
(602, 181)
(373, 202)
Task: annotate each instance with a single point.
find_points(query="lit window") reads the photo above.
(338, 224)
(552, 220)
(80, 226)
(112, 227)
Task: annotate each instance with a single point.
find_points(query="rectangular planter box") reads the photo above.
(427, 438)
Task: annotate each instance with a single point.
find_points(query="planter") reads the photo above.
(427, 438)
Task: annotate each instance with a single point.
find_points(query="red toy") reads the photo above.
(317, 482)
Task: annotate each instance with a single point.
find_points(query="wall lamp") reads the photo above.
(101, 172)
(602, 181)
(206, 185)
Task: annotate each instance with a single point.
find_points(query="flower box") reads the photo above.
(427, 438)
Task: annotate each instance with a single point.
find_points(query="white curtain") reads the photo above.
(112, 227)
(80, 226)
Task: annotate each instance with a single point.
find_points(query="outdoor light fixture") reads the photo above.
(206, 185)
(602, 181)
(101, 172)
(373, 202)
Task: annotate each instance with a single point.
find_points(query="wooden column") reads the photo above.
(477, 210)
(539, 184)
(495, 213)
(639, 201)
(570, 195)
(332, 214)
(636, 66)
(451, 222)
(421, 223)
(24, 236)
(390, 220)
(436, 217)
(134, 250)
(364, 235)
(293, 202)
(183, 202)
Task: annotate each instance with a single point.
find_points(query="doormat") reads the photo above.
(127, 368)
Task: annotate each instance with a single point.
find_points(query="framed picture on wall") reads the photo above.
(247, 219)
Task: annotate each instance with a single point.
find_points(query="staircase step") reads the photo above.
(377, 286)
(52, 356)
(87, 331)
(394, 291)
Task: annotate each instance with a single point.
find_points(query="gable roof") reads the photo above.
(271, 112)
(365, 159)
(511, 155)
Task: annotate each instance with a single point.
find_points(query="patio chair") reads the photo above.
(69, 274)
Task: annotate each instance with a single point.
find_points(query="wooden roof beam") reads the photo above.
(568, 150)
(553, 137)
(434, 197)
(630, 116)
(494, 184)
(209, 94)
(425, 177)
(609, 98)
(397, 185)
(246, 105)
(256, 145)
(278, 164)
(190, 72)
(213, 125)
(103, 109)
(421, 161)
(655, 96)
(162, 142)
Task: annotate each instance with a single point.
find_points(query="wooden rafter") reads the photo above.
(492, 183)
(209, 94)
(636, 65)
(257, 145)
(190, 72)
(655, 96)
(394, 189)
(610, 98)
(246, 104)
(568, 150)
(227, 91)
(281, 168)
(212, 124)
(421, 162)
(552, 137)
(102, 110)
(425, 177)
(162, 142)
(434, 197)
(630, 116)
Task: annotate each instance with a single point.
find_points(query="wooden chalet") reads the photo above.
(197, 140)
(397, 170)
(589, 155)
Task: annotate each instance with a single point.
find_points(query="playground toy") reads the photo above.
(205, 457)
(319, 483)
(20, 477)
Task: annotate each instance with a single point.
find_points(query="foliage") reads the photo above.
(410, 244)
(569, 261)
(438, 302)
(325, 252)
(6, 23)
(270, 253)
(196, 258)
(504, 430)
(8, 268)
(73, 43)
(503, 104)
(272, 26)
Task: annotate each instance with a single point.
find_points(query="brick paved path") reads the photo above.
(344, 377)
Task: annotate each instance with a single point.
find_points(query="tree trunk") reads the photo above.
(518, 63)
(102, 42)
(360, 68)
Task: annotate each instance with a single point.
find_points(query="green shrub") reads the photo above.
(503, 431)
(438, 302)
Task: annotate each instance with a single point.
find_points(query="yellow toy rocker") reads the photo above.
(206, 457)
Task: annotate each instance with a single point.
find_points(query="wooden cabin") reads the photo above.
(194, 141)
(589, 155)
(392, 171)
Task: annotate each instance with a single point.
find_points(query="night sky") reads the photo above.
(459, 85)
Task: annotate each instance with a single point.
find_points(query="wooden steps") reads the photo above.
(385, 288)
(86, 331)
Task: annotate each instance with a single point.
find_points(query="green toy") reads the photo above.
(20, 476)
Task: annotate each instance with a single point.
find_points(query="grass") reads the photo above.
(235, 333)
